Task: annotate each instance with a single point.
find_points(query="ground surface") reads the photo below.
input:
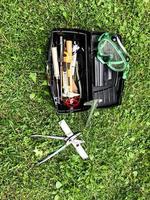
(117, 142)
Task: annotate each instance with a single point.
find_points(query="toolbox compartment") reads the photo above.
(106, 84)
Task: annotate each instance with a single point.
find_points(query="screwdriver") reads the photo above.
(56, 69)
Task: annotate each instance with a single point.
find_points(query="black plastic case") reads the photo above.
(110, 92)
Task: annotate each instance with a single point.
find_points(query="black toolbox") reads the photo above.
(106, 85)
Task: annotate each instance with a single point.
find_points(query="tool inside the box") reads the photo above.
(68, 88)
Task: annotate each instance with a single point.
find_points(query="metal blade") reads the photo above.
(101, 73)
(53, 154)
(109, 74)
(93, 107)
(48, 137)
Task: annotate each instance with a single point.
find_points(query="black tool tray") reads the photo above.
(109, 91)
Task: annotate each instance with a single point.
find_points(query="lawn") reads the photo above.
(117, 141)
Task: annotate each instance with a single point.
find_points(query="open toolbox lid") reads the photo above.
(97, 80)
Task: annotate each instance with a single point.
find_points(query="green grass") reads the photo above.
(117, 142)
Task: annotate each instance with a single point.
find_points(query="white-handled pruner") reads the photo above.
(70, 138)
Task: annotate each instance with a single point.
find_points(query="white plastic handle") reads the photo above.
(65, 128)
(55, 62)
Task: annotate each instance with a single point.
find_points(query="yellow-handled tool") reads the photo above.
(67, 61)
